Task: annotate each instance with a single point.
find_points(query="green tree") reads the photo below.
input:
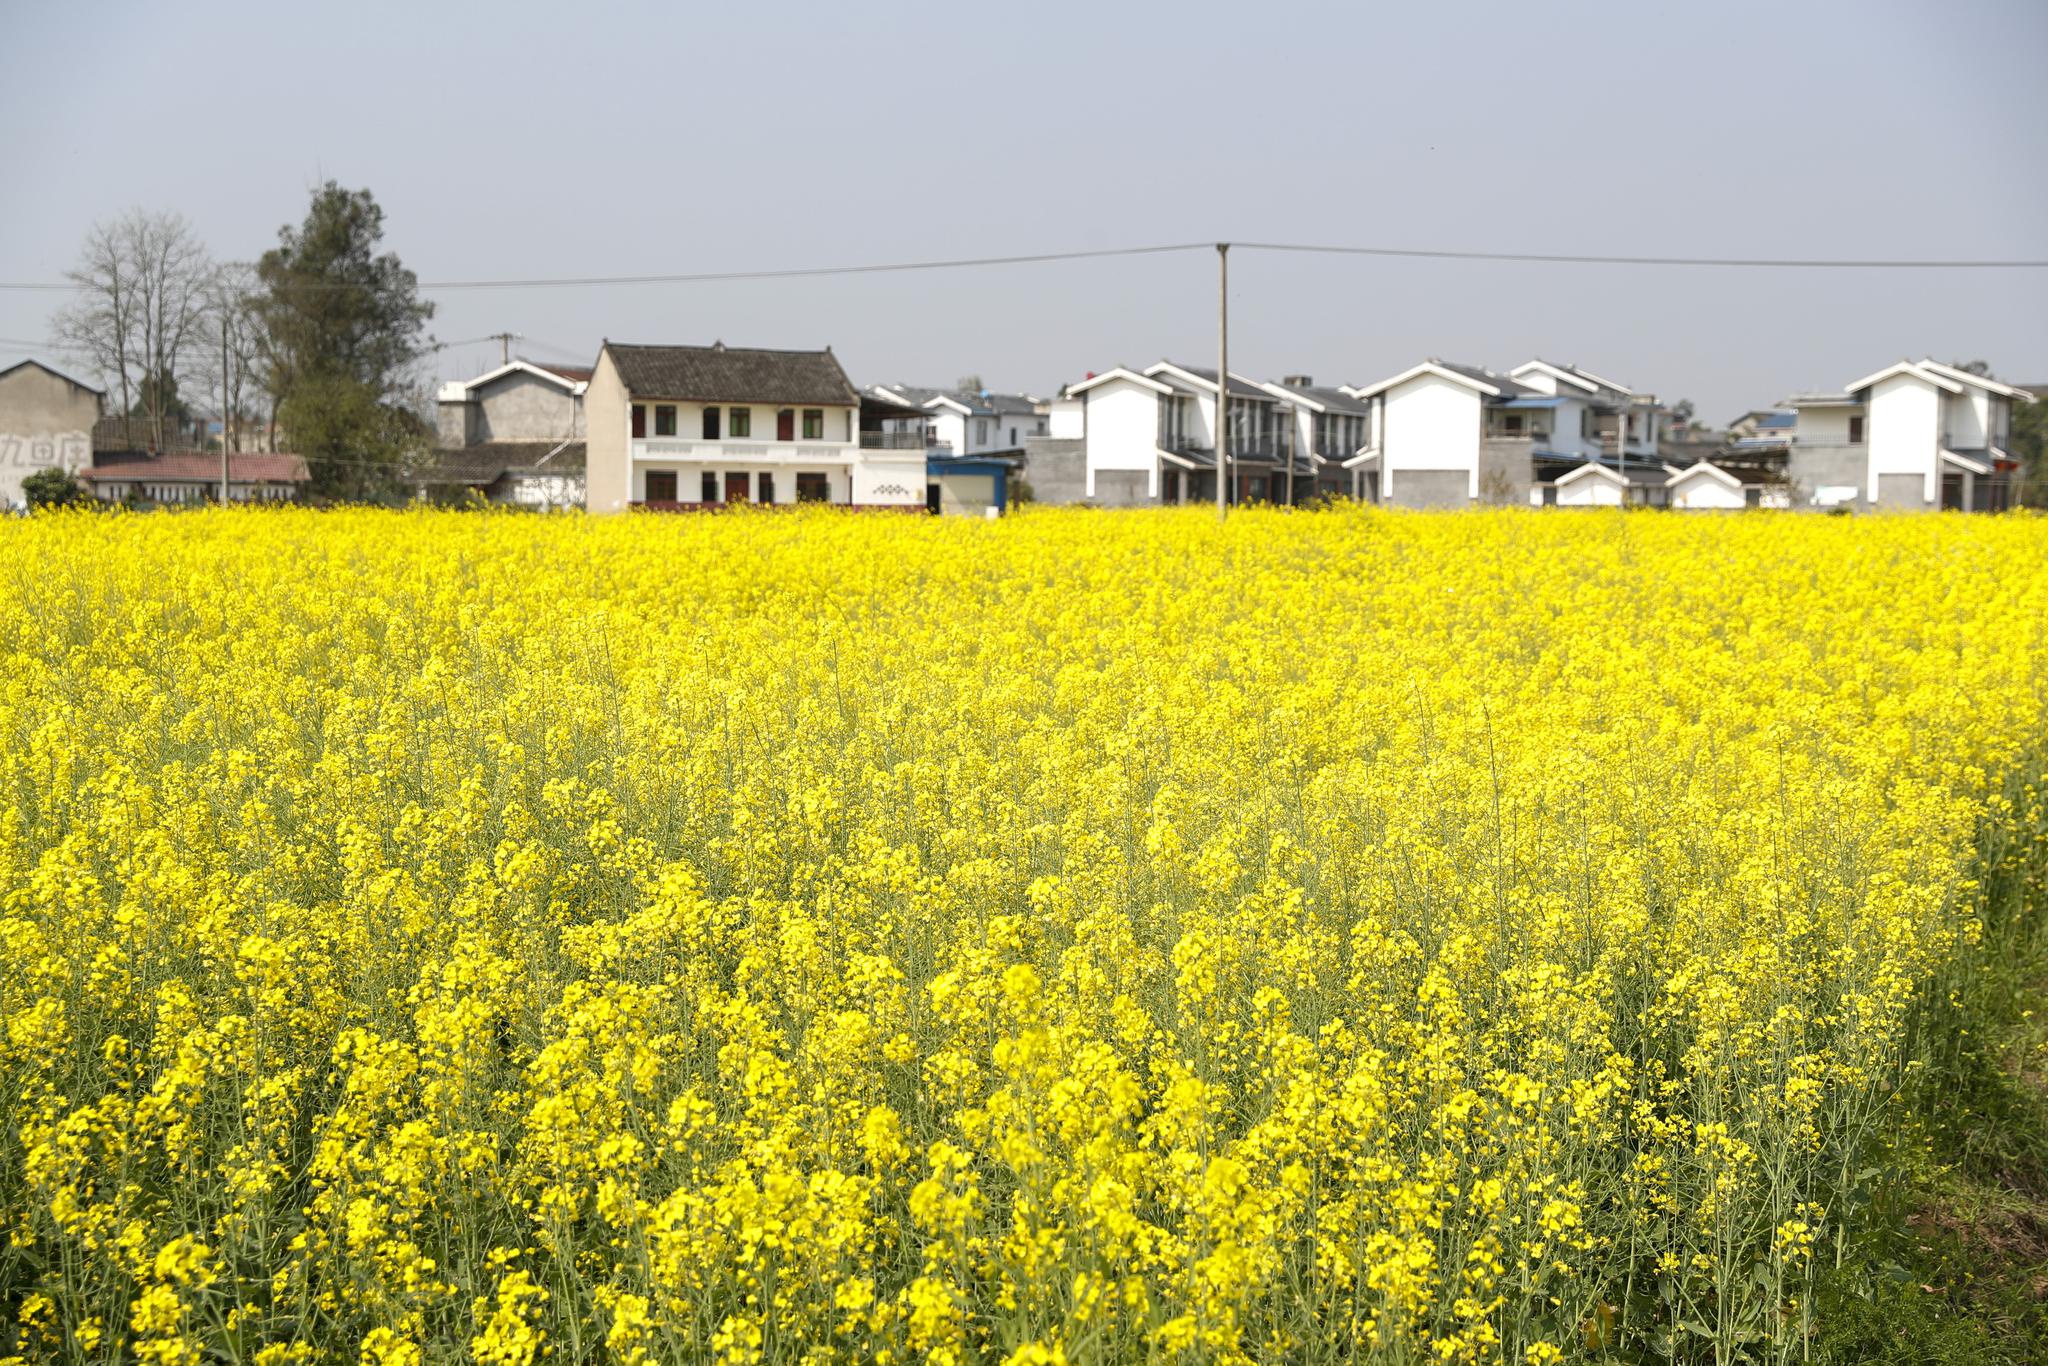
(344, 331)
(54, 487)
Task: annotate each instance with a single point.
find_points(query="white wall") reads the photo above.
(1123, 431)
(1825, 426)
(1593, 491)
(1704, 493)
(887, 479)
(1431, 424)
(1066, 421)
(840, 421)
(1966, 419)
(1905, 429)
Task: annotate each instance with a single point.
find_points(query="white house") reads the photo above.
(1330, 427)
(1150, 436)
(971, 422)
(1592, 416)
(711, 426)
(1428, 442)
(1914, 435)
(1598, 484)
(1707, 487)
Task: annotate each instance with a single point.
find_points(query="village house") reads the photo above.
(513, 435)
(1915, 435)
(1149, 436)
(185, 477)
(1330, 427)
(673, 427)
(963, 422)
(46, 422)
(1446, 435)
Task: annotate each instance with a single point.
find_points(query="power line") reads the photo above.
(1741, 262)
(1033, 258)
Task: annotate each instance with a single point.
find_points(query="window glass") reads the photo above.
(709, 488)
(740, 422)
(711, 424)
(664, 419)
(814, 426)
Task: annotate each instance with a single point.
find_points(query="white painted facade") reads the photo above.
(1590, 486)
(1067, 419)
(1901, 431)
(1121, 419)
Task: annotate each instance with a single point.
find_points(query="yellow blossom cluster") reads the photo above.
(1082, 937)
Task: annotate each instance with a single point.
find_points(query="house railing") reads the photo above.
(896, 441)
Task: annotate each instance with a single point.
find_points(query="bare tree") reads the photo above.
(144, 285)
(233, 354)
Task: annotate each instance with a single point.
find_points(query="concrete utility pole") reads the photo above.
(505, 340)
(223, 410)
(1222, 377)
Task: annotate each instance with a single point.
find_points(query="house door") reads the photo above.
(661, 486)
(931, 497)
(785, 425)
(737, 487)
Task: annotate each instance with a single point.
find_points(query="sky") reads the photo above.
(522, 140)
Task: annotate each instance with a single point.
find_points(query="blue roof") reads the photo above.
(1528, 403)
(1778, 420)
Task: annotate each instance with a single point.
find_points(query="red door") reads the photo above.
(785, 425)
(738, 487)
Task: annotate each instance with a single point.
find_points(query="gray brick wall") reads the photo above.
(1814, 467)
(1902, 492)
(1122, 488)
(1506, 473)
(1431, 489)
(1056, 468)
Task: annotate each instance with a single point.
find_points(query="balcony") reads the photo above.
(744, 450)
(900, 441)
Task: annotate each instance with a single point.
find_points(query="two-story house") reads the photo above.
(511, 435)
(711, 426)
(1915, 435)
(1593, 417)
(963, 422)
(1330, 427)
(1149, 436)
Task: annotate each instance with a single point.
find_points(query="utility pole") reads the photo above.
(1222, 377)
(223, 410)
(505, 340)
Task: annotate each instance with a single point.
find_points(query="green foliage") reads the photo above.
(54, 487)
(345, 330)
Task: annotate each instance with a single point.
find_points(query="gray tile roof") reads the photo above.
(488, 461)
(1332, 400)
(732, 374)
(1238, 388)
(1508, 388)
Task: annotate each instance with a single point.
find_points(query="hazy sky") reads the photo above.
(567, 139)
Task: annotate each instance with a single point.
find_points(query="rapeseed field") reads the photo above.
(1084, 937)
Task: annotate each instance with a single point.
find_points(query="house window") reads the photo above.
(661, 486)
(981, 431)
(1587, 425)
(813, 487)
(1856, 429)
(664, 419)
(1511, 423)
(1013, 436)
(785, 424)
(814, 426)
(711, 424)
(709, 488)
(766, 486)
(639, 420)
(740, 422)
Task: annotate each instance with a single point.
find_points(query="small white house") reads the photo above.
(1592, 416)
(1428, 443)
(1706, 487)
(1597, 484)
(1915, 435)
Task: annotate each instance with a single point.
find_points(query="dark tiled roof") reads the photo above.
(575, 374)
(1332, 400)
(732, 374)
(1508, 388)
(488, 461)
(1238, 388)
(191, 466)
